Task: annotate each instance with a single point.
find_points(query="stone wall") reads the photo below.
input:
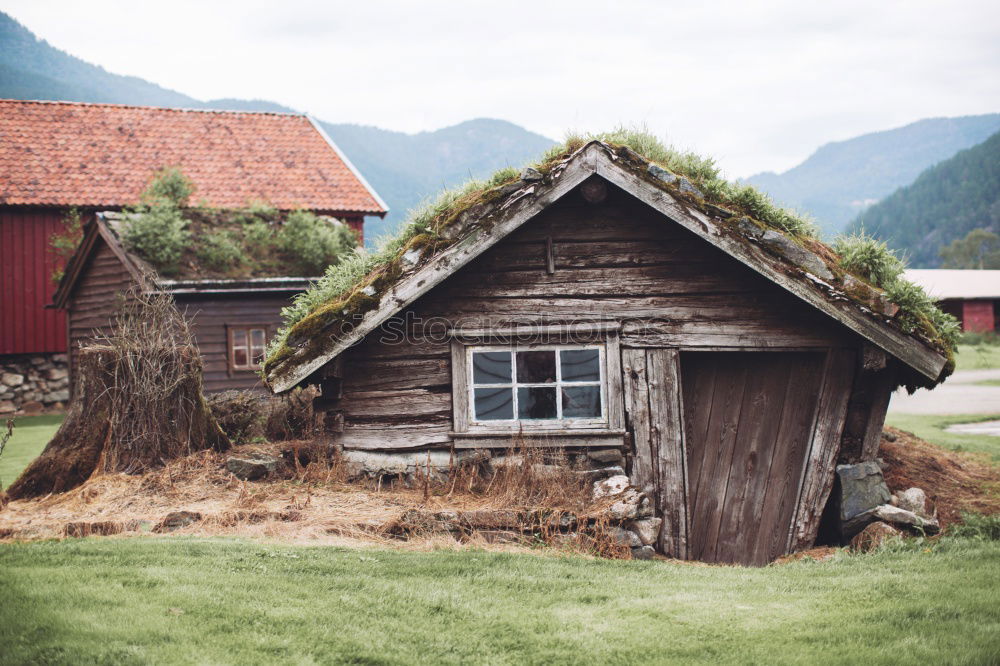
(33, 384)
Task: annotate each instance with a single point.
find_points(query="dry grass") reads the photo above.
(538, 500)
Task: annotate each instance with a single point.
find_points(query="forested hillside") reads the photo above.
(945, 203)
(841, 179)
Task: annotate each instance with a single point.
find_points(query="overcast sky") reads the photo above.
(759, 85)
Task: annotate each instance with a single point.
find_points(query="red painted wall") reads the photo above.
(26, 286)
(977, 316)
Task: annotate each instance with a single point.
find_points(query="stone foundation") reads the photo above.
(33, 383)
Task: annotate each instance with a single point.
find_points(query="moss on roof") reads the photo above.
(863, 269)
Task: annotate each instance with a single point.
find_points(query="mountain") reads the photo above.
(408, 168)
(403, 168)
(944, 203)
(841, 179)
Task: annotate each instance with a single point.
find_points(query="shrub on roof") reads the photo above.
(314, 242)
(220, 250)
(158, 233)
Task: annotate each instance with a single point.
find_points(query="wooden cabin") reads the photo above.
(61, 156)
(232, 318)
(603, 306)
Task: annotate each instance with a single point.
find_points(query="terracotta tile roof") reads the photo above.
(103, 155)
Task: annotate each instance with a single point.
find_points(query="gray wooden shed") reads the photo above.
(605, 304)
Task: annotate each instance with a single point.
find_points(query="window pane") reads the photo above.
(494, 404)
(240, 356)
(536, 402)
(257, 337)
(491, 367)
(580, 365)
(580, 402)
(536, 367)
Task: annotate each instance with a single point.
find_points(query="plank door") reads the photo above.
(748, 423)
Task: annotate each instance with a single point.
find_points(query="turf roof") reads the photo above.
(354, 287)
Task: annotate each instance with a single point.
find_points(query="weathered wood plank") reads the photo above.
(459, 386)
(636, 399)
(883, 384)
(538, 439)
(668, 442)
(817, 478)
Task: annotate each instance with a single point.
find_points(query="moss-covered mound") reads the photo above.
(859, 266)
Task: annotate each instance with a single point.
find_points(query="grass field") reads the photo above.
(978, 357)
(31, 434)
(175, 600)
(931, 427)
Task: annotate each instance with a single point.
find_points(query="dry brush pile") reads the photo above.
(138, 402)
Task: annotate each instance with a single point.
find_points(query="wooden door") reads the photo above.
(748, 420)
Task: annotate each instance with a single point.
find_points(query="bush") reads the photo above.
(158, 234)
(315, 243)
(220, 250)
(977, 526)
(240, 414)
(169, 185)
(869, 258)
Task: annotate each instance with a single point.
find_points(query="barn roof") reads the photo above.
(472, 222)
(945, 283)
(103, 155)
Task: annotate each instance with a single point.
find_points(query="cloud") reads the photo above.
(759, 85)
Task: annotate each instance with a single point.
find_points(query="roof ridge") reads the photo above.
(177, 109)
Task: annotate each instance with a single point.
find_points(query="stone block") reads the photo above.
(11, 379)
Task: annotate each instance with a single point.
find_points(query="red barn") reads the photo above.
(57, 156)
(971, 296)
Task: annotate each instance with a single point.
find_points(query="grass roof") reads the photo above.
(863, 268)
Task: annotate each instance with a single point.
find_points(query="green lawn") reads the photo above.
(175, 600)
(978, 357)
(31, 434)
(931, 428)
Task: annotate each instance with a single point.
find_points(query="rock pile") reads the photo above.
(33, 384)
(868, 513)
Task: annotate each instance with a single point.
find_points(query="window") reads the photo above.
(246, 347)
(559, 385)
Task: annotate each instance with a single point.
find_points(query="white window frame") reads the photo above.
(558, 423)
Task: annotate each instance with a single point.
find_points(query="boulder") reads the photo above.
(687, 187)
(32, 407)
(628, 505)
(750, 228)
(251, 468)
(54, 374)
(860, 488)
(56, 396)
(614, 485)
(11, 379)
(607, 456)
(795, 253)
(7, 407)
(530, 175)
(915, 500)
(906, 519)
(660, 173)
(647, 529)
(643, 553)
(873, 536)
(624, 537)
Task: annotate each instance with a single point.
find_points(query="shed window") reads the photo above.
(559, 384)
(246, 347)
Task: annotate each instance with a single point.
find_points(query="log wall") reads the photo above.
(619, 262)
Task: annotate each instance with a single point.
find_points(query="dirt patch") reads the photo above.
(956, 482)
